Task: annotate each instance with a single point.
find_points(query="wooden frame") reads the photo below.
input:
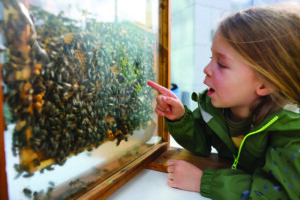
(165, 56)
(107, 187)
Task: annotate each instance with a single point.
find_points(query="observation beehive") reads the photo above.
(85, 88)
(70, 85)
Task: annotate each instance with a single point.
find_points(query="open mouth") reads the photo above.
(210, 91)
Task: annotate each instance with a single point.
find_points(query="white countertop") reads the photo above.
(152, 185)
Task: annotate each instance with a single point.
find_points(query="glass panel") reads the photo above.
(76, 103)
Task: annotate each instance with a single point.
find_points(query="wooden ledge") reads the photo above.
(213, 161)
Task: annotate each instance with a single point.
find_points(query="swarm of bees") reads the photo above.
(70, 89)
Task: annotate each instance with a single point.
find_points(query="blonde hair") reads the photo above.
(268, 38)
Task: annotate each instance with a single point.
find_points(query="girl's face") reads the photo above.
(232, 84)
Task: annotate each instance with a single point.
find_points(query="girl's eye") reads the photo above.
(220, 65)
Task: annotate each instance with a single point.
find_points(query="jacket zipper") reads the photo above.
(236, 159)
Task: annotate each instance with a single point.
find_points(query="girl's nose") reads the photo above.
(208, 69)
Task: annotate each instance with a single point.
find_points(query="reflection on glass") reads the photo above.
(75, 84)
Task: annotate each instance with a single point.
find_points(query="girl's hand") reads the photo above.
(184, 175)
(168, 105)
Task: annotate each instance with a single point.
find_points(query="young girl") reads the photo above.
(249, 114)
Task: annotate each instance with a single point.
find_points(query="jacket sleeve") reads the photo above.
(279, 178)
(190, 132)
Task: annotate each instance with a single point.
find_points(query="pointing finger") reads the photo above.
(160, 88)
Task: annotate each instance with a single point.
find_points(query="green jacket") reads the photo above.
(267, 164)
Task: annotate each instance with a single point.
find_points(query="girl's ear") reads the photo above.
(262, 90)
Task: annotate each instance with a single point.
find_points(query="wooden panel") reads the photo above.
(213, 161)
(107, 187)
